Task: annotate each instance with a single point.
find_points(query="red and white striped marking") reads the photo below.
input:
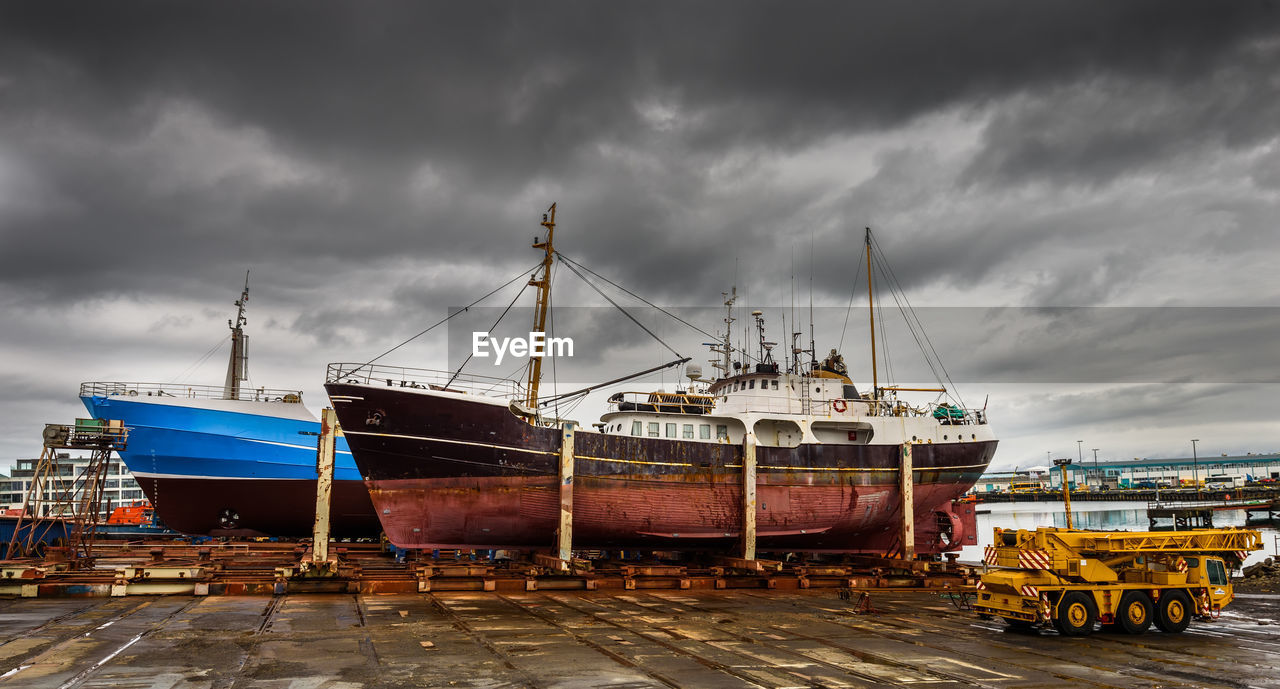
(1046, 612)
(1034, 559)
(1030, 591)
(1242, 555)
(981, 586)
(1182, 565)
(989, 555)
(1204, 603)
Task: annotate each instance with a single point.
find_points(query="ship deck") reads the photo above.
(655, 638)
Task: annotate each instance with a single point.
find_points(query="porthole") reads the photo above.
(944, 437)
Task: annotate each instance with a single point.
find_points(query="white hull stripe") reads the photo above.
(196, 477)
(311, 448)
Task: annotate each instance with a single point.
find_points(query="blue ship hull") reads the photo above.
(234, 467)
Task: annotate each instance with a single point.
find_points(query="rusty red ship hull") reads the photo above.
(444, 472)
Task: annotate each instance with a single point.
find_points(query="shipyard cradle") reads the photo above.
(463, 461)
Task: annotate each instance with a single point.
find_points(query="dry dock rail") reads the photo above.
(253, 568)
(632, 639)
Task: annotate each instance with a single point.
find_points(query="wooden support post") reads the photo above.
(906, 486)
(564, 540)
(749, 496)
(324, 485)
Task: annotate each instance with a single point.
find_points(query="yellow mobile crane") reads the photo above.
(1072, 579)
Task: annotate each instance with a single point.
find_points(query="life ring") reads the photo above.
(839, 405)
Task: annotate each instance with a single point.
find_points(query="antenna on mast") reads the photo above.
(871, 311)
(725, 347)
(544, 296)
(237, 366)
(813, 348)
(795, 351)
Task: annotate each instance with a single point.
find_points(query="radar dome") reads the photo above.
(693, 371)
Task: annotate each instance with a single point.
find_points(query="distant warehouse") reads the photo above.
(1225, 471)
(1171, 473)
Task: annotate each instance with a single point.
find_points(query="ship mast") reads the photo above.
(238, 364)
(544, 297)
(725, 348)
(871, 311)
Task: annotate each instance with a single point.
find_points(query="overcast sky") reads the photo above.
(374, 165)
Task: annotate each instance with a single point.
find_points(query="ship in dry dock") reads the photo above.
(230, 460)
(466, 461)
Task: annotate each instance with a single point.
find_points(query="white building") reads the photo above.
(121, 488)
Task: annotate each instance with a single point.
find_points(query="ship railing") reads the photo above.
(199, 392)
(662, 402)
(424, 379)
(956, 416)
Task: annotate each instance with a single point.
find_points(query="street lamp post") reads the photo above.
(1195, 466)
(1080, 459)
(1095, 467)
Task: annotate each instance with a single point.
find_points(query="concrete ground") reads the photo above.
(626, 639)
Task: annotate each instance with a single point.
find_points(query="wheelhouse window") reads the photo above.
(637, 428)
(751, 384)
(654, 427)
(671, 430)
(687, 431)
(722, 431)
(774, 384)
(704, 431)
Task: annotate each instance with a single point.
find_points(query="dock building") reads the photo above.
(1168, 472)
(121, 488)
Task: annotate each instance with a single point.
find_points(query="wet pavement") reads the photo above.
(632, 639)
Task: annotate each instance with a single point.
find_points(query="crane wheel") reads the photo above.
(1173, 614)
(1135, 612)
(1076, 614)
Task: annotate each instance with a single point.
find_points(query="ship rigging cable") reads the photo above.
(648, 303)
(914, 322)
(491, 329)
(518, 276)
(617, 306)
(852, 294)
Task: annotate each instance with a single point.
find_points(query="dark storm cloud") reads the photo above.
(497, 107)
(375, 165)
(1091, 131)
